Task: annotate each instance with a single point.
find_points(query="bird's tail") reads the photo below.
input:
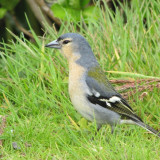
(148, 128)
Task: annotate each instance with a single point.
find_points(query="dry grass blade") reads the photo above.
(2, 126)
(140, 85)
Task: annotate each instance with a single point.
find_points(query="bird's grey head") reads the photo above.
(74, 45)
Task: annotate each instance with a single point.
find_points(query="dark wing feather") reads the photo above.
(106, 91)
(118, 107)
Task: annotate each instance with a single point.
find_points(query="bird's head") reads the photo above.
(74, 46)
(70, 43)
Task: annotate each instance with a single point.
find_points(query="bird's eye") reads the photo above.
(66, 41)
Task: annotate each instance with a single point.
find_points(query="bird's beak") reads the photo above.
(53, 44)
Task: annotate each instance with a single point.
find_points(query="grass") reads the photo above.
(34, 95)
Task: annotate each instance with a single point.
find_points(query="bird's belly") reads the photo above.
(80, 104)
(94, 112)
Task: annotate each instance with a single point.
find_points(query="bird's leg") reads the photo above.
(98, 127)
(112, 129)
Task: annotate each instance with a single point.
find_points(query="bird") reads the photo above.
(91, 93)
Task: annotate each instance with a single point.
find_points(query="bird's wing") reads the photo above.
(104, 94)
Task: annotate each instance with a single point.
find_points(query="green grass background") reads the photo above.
(34, 89)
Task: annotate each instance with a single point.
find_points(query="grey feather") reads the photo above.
(105, 90)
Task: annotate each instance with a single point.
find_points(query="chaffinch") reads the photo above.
(90, 91)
